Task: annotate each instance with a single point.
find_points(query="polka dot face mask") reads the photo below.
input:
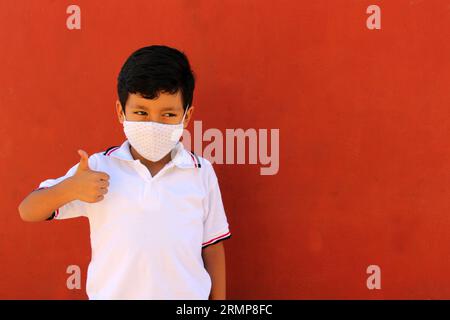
(153, 140)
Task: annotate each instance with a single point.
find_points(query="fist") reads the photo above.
(89, 185)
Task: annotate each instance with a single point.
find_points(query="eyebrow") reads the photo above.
(167, 108)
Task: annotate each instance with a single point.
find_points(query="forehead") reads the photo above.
(163, 101)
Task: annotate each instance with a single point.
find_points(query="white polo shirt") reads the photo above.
(147, 234)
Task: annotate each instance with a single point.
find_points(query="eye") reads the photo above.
(170, 114)
(142, 112)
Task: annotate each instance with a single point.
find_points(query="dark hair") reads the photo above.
(150, 70)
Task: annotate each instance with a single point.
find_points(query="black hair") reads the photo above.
(150, 70)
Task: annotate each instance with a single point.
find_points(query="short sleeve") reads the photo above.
(215, 225)
(73, 209)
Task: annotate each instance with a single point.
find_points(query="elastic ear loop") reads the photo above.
(181, 124)
(185, 112)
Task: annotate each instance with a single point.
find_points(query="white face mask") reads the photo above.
(153, 140)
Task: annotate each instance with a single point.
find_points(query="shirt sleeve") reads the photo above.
(215, 225)
(73, 209)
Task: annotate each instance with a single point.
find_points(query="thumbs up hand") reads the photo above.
(84, 161)
(86, 184)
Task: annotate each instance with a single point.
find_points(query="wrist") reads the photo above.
(67, 190)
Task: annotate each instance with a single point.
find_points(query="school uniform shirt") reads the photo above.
(148, 233)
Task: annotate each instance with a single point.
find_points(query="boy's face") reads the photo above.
(167, 108)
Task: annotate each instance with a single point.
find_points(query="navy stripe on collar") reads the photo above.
(109, 149)
(198, 160)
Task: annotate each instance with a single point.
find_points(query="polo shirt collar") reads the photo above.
(181, 157)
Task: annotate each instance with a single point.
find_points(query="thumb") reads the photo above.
(84, 163)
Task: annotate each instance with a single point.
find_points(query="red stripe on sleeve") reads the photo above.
(219, 237)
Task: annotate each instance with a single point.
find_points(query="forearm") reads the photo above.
(40, 204)
(214, 261)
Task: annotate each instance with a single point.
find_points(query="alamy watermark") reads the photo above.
(374, 280)
(237, 146)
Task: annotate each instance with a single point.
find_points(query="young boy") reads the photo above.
(155, 209)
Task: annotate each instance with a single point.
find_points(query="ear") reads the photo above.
(188, 116)
(119, 111)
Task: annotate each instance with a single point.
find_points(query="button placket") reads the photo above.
(151, 191)
(142, 170)
(151, 196)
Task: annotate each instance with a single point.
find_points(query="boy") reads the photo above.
(155, 209)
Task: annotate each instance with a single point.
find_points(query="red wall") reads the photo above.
(364, 127)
